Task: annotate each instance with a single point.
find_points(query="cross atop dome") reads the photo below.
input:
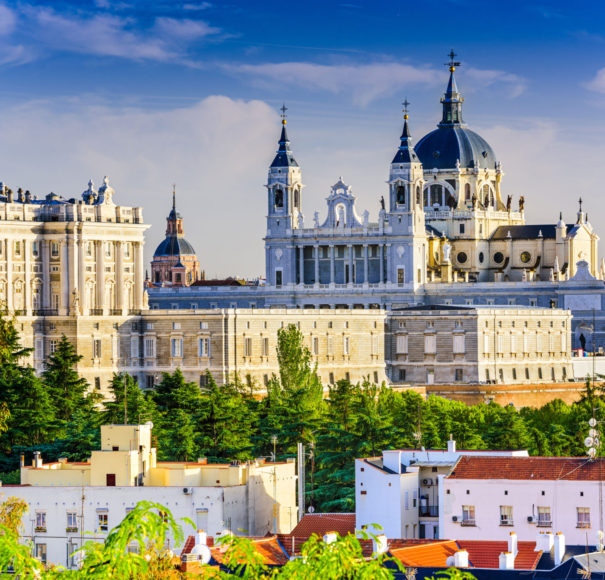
(283, 115)
(452, 64)
(284, 157)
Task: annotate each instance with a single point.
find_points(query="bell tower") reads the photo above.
(284, 211)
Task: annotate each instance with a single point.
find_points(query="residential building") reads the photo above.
(71, 503)
(400, 491)
(488, 497)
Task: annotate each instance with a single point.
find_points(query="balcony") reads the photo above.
(428, 511)
(467, 522)
(96, 312)
(544, 523)
(506, 523)
(45, 312)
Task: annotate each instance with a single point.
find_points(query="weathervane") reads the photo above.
(580, 202)
(283, 115)
(406, 104)
(452, 63)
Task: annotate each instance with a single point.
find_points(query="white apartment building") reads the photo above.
(72, 503)
(400, 491)
(490, 496)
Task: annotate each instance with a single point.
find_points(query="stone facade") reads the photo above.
(478, 345)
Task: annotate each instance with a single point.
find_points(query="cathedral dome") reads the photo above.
(448, 144)
(174, 246)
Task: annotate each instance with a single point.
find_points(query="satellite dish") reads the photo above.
(588, 442)
(310, 509)
(593, 433)
(592, 422)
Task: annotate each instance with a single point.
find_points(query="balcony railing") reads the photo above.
(467, 522)
(96, 312)
(428, 511)
(45, 312)
(544, 523)
(506, 523)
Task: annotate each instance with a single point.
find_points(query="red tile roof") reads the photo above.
(321, 524)
(433, 555)
(528, 468)
(486, 554)
(268, 548)
(190, 542)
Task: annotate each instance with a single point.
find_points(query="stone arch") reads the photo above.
(584, 335)
(437, 193)
(487, 196)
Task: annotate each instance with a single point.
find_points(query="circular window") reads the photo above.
(498, 257)
(461, 257)
(525, 257)
(481, 257)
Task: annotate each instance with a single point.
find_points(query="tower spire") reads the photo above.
(405, 153)
(284, 157)
(452, 101)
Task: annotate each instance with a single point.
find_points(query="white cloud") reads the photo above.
(483, 77)
(216, 151)
(364, 82)
(597, 84)
(8, 20)
(108, 35)
(195, 7)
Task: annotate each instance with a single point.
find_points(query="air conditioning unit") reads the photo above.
(530, 519)
(187, 490)
(427, 481)
(454, 518)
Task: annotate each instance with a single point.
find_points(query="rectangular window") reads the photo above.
(103, 521)
(176, 326)
(40, 553)
(345, 346)
(54, 249)
(134, 347)
(315, 345)
(402, 374)
(247, 347)
(330, 345)
(38, 349)
(331, 378)
(430, 344)
(176, 345)
(459, 347)
(150, 381)
(468, 515)
(265, 346)
(52, 345)
(278, 278)
(149, 347)
(40, 521)
(400, 276)
(506, 515)
(203, 347)
(407, 500)
(544, 518)
(96, 348)
(402, 344)
(533, 302)
(35, 249)
(72, 522)
(583, 517)
(17, 248)
(458, 375)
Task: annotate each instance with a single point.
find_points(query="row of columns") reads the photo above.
(383, 250)
(72, 269)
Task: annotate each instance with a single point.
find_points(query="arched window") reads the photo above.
(487, 195)
(436, 197)
(178, 278)
(157, 277)
(279, 198)
(400, 195)
(467, 192)
(418, 200)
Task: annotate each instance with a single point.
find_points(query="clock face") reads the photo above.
(525, 257)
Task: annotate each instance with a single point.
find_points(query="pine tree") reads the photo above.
(68, 390)
(174, 392)
(139, 407)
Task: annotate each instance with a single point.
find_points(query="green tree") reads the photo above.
(65, 386)
(139, 407)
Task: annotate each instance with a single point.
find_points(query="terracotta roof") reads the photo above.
(528, 468)
(485, 554)
(190, 542)
(321, 524)
(433, 555)
(269, 548)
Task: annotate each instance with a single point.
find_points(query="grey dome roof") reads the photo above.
(173, 246)
(444, 146)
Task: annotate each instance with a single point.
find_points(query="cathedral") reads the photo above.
(446, 233)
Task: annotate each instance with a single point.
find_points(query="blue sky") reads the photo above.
(187, 92)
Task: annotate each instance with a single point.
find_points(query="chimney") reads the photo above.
(512, 543)
(9, 195)
(22, 460)
(461, 559)
(202, 538)
(330, 537)
(544, 542)
(37, 459)
(451, 445)
(380, 544)
(506, 561)
(559, 548)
